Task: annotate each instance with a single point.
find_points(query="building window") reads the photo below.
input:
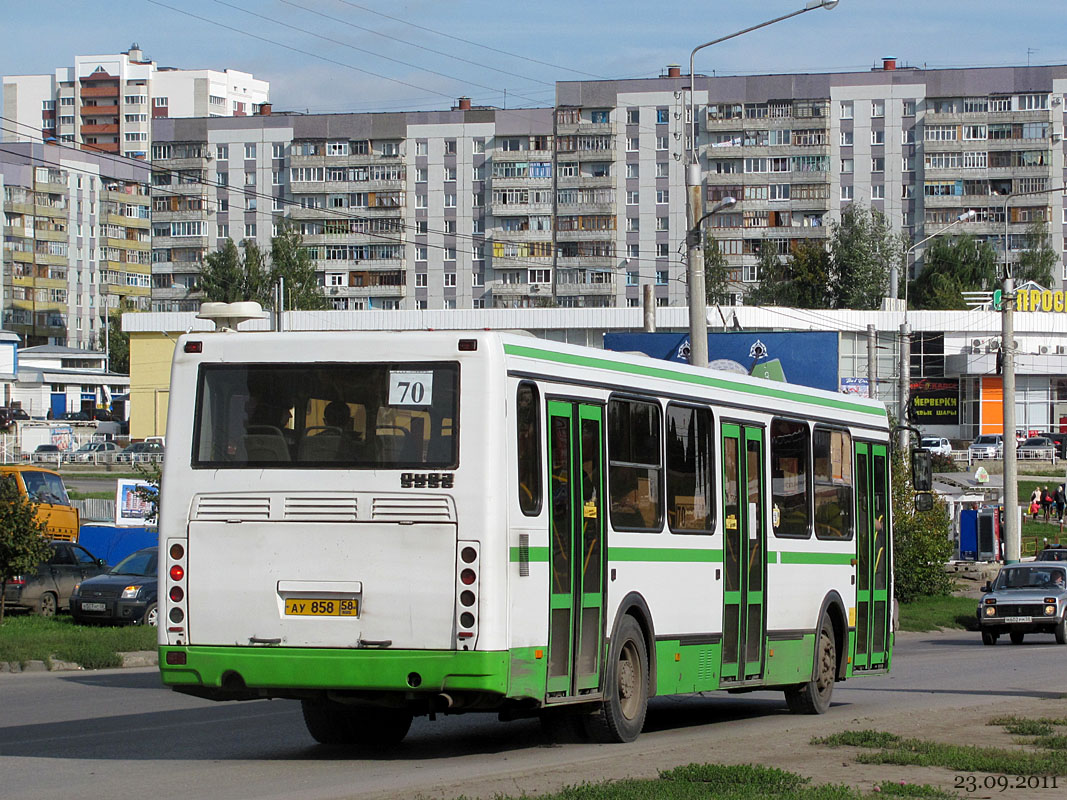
(633, 116)
(661, 277)
(450, 147)
(450, 200)
(878, 191)
(662, 116)
(662, 224)
(878, 136)
(632, 171)
(632, 198)
(663, 142)
(877, 165)
(908, 109)
(250, 230)
(846, 109)
(663, 250)
(633, 144)
(633, 251)
(846, 191)
(847, 165)
(277, 150)
(663, 196)
(877, 108)
(250, 150)
(160, 102)
(633, 224)
(846, 138)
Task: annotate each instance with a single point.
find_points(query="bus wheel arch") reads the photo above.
(634, 605)
(620, 714)
(833, 609)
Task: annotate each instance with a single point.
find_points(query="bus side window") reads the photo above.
(690, 471)
(833, 484)
(635, 465)
(528, 425)
(790, 478)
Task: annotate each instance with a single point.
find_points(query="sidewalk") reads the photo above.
(138, 658)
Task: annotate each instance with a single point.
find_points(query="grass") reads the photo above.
(933, 613)
(895, 750)
(732, 782)
(31, 638)
(74, 494)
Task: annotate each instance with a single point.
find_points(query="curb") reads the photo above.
(138, 658)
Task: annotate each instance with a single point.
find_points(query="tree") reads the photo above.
(118, 342)
(951, 266)
(291, 261)
(22, 543)
(716, 273)
(1036, 262)
(229, 276)
(801, 282)
(773, 286)
(862, 249)
(921, 543)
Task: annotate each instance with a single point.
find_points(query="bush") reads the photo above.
(921, 542)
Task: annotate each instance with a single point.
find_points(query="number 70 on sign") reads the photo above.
(410, 388)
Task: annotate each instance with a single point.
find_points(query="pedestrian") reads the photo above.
(1046, 503)
(1061, 501)
(1035, 502)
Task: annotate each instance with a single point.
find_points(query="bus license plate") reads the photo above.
(1016, 620)
(307, 607)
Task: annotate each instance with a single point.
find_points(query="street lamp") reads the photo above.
(697, 287)
(904, 372)
(698, 321)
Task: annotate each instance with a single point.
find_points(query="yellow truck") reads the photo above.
(45, 488)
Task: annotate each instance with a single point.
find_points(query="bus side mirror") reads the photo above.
(924, 501)
(922, 470)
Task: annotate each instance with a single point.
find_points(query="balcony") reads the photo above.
(98, 111)
(43, 234)
(105, 128)
(99, 91)
(517, 209)
(502, 289)
(57, 212)
(522, 155)
(398, 290)
(586, 236)
(101, 147)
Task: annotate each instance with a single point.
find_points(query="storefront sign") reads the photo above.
(1040, 300)
(936, 401)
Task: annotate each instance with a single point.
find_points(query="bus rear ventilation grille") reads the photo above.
(235, 507)
(320, 508)
(418, 509)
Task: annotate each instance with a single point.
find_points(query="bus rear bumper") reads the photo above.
(235, 673)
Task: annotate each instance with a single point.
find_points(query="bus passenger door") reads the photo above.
(744, 552)
(872, 556)
(576, 593)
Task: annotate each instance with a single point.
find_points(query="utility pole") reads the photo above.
(649, 307)
(872, 362)
(904, 386)
(1012, 537)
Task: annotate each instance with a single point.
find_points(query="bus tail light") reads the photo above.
(177, 595)
(468, 580)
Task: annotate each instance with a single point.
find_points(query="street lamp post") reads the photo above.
(698, 321)
(904, 371)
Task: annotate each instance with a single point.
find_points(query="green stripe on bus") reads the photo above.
(817, 558)
(676, 554)
(700, 380)
(536, 554)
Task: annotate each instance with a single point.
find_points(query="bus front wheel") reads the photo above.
(813, 697)
(334, 723)
(620, 716)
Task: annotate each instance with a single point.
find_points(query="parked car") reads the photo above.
(46, 448)
(936, 444)
(9, 415)
(1025, 598)
(987, 445)
(49, 590)
(74, 416)
(1060, 438)
(1053, 552)
(1037, 447)
(127, 593)
(98, 452)
(140, 451)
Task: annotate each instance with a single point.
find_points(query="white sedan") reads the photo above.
(936, 445)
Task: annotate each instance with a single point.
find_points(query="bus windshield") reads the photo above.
(328, 416)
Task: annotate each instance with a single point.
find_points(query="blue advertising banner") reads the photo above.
(808, 358)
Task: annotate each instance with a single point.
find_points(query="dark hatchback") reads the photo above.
(49, 590)
(125, 594)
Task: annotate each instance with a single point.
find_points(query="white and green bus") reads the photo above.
(384, 525)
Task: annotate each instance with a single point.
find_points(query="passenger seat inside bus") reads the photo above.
(265, 443)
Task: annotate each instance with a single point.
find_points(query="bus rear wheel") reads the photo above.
(814, 696)
(334, 723)
(620, 716)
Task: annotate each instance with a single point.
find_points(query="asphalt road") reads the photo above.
(119, 733)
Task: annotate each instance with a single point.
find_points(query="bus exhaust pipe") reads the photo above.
(446, 701)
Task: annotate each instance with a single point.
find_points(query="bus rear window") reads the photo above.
(327, 416)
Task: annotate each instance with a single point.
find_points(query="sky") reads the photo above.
(324, 56)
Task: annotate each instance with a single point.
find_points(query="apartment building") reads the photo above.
(583, 203)
(76, 242)
(107, 102)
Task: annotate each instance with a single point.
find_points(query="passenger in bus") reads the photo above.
(626, 506)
